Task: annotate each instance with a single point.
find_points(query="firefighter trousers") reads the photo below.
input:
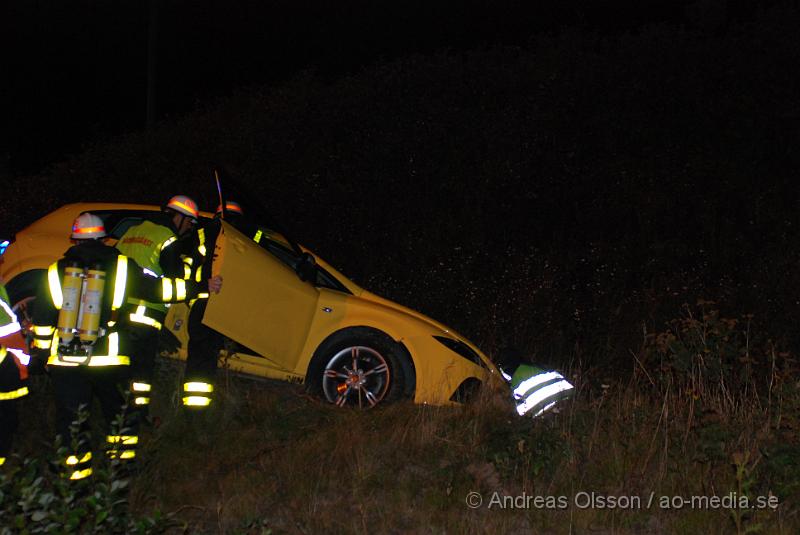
(75, 388)
(143, 341)
(12, 388)
(9, 422)
(201, 362)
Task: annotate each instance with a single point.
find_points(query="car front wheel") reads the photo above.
(359, 368)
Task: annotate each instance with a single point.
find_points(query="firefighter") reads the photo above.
(13, 372)
(204, 342)
(535, 390)
(84, 305)
(149, 245)
(234, 214)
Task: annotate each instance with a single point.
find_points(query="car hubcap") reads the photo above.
(356, 376)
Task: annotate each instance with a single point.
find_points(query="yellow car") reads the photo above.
(291, 315)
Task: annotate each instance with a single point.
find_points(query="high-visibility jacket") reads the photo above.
(144, 244)
(194, 248)
(124, 280)
(13, 371)
(537, 390)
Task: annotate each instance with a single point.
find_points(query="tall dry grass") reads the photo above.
(706, 408)
(614, 459)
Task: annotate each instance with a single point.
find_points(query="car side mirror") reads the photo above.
(306, 267)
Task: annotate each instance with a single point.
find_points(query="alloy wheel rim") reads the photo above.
(357, 376)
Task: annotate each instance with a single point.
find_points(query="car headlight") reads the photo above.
(461, 349)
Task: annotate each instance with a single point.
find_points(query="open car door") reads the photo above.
(263, 304)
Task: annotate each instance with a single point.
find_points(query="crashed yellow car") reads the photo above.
(290, 316)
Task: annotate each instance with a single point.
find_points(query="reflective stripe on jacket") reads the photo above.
(13, 376)
(536, 390)
(8, 320)
(13, 373)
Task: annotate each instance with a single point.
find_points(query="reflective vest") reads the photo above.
(13, 373)
(536, 390)
(144, 243)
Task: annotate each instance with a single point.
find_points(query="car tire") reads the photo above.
(22, 291)
(360, 368)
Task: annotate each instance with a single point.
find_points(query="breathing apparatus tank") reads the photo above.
(71, 291)
(91, 305)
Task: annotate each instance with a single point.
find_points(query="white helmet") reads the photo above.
(232, 207)
(87, 226)
(184, 205)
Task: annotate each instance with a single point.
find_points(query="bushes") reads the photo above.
(35, 497)
(710, 357)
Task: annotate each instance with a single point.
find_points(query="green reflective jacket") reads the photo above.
(144, 244)
(523, 372)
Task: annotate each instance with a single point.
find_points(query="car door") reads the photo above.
(263, 304)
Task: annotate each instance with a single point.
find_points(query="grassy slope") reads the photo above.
(269, 457)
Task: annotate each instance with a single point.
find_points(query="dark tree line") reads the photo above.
(557, 194)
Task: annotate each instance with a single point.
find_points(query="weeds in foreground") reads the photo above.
(36, 497)
(663, 450)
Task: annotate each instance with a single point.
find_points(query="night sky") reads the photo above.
(76, 72)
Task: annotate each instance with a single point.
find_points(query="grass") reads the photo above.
(269, 458)
(616, 458)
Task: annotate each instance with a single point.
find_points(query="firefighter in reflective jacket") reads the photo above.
(83, 335)
(204, 342)
(234, 214)
(149, 245)
(13, 372)
(535, 390)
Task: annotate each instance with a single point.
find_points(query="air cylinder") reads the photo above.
(71, 291)
(91, 305)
